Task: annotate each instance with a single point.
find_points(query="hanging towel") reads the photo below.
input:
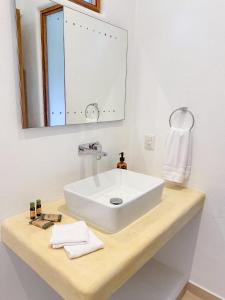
(177, 165)
(93, 245)
(69, 234)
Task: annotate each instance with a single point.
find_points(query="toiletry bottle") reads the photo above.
(38, 208)
(32, 211)
(122, 164)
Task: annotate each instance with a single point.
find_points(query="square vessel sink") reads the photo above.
(112, 200)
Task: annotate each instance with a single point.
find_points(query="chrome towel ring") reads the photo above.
(183, 109)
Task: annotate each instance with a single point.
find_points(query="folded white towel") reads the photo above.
(177, 165)
(69, 234)
(93, 245)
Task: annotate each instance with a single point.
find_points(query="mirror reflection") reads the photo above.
(72, 66)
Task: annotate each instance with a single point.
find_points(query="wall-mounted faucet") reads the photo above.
(92, 149)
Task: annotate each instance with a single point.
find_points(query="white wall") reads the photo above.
(180, 57)
(37, 163)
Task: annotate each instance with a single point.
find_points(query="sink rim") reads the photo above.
(68, 188)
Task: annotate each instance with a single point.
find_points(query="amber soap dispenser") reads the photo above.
(122, 164)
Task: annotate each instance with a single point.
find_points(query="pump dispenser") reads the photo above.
(122, 164)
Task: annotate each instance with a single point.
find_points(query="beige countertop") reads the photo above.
(98, 275)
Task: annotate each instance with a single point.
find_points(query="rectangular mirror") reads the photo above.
(72, 66)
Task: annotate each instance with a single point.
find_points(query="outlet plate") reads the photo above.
(150, 142)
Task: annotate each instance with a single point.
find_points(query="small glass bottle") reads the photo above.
(38, 208)
(32, 211)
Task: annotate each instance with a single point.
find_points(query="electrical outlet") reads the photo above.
(150, 142)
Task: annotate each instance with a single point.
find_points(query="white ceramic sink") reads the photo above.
(89, 199)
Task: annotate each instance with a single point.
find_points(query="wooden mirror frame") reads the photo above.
(96, 7)
(44, 14)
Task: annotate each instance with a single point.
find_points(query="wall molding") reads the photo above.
(197, 291)
(201, 293)
(184, 290)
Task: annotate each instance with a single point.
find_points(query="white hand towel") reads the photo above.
(93, 245)
(177, 165)
(69, 234)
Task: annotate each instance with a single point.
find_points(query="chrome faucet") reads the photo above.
(92, 149)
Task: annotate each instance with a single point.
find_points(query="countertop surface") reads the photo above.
(96, 276)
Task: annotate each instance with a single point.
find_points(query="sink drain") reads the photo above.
(116, 201)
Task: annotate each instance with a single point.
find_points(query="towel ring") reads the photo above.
(183, 109)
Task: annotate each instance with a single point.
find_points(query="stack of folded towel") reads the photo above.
(77, 239)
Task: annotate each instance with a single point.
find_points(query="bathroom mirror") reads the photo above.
(72, 66)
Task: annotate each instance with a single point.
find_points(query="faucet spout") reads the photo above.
(92, 149)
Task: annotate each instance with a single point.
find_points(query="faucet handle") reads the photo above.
(96, 146)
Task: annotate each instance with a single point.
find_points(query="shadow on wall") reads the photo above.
(26, 285)
(33, 133)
